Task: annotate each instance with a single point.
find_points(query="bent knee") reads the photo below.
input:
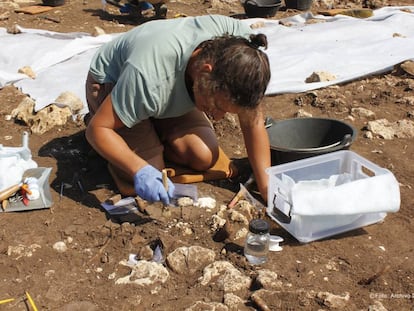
(203, 158)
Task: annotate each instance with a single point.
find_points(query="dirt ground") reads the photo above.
(373, 265)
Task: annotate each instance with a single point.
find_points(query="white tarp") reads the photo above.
(343, 46)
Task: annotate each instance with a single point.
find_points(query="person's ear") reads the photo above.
(206, 67)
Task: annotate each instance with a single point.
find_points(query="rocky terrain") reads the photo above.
(75, 256)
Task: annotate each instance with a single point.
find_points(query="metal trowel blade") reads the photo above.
(185, 190)
(33, 172)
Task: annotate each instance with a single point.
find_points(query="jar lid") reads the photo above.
(259, 226)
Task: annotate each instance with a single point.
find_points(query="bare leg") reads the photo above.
(197, 149)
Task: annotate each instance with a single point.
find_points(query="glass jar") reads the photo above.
(256, 247)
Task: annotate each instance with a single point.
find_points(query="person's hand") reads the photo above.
(148, 185)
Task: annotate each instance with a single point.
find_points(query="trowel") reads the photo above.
(8, 192)
(180, 190)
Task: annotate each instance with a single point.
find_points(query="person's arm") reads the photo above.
(257, 145)
(102, 136)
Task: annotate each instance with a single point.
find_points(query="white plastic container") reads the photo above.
(316, 213)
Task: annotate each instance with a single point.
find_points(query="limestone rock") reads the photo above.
(333, 301)
(68, 99)
(320, 76)
(98, 31)
(145, 273)
(28, 71)
(303, 114)
(363, 113)
(233, 302)
(42, 121)
(408, 67)
(267, 279)
(14, 30)
(389, 130)
(377, 306)
(225, 276)
(187, 260)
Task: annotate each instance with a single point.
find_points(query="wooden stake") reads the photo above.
(165, 210)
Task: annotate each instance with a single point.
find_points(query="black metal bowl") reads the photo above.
(261, 8)
(299, 138)
(53, 2)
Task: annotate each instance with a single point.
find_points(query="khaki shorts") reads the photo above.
(147, 137)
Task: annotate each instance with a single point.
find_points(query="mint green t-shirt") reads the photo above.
(147, 64)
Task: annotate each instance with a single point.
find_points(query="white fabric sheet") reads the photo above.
(346, 47)
(341, 195)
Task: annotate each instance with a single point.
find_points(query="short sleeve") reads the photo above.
(132, 99)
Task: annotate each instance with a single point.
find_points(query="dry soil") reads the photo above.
(373, 264)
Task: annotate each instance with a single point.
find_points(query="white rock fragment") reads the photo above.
(267, 279)
(28, 71)
(377, 306)
(206, 202)
(246, 208)
(236, 216)
(408, 67)
(217, 222)
(42, 120)
(14, 29)
(185, 201)
(240, 234)
(233, 302)
(389, 130)
(369, 135)
(98, 31)
(145, 273)
(301, 113)
(69, 99)
(188, 260)
(407, 100)
(226, 277)
(363, 113)
(258, 24)
(333, 301)
(184, 227)
(320, 76)
(60, 247)
(22, 250)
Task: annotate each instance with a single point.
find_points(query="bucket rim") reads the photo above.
(346, 141)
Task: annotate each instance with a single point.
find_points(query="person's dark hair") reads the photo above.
(240, 67)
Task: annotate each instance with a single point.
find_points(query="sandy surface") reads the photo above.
(371, 266)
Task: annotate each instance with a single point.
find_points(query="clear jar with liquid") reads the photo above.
(256, 247)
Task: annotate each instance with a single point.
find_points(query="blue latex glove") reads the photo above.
(143, 5)
(148, 185)
(126, 8)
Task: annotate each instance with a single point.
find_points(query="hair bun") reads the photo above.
(258, 40)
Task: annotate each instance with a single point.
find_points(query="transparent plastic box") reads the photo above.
(366, 198)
